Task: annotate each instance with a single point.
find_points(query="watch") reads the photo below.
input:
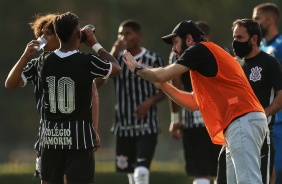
(138, 67)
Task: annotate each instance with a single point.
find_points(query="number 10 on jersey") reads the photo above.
(65, 96)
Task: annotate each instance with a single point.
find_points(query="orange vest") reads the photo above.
(225, 96)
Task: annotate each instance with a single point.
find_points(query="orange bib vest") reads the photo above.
(224, 97)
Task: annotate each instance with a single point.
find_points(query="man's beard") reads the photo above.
(263, 31)
(183, 46)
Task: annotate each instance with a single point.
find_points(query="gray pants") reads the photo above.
(244, 138)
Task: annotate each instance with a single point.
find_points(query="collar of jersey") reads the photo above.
(139, 55)
(64, 54)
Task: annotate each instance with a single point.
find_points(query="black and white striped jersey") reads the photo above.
(131, 91)
(30, 76)
(67, 85)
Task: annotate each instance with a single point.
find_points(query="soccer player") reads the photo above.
(200, 153)
(221, 92)
(24, 72)
(68, 136)
(136, 123)
(268, 16)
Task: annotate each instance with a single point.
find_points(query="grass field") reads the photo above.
(161, 173)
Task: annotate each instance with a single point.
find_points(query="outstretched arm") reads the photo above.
(161, 74)
(184, 99)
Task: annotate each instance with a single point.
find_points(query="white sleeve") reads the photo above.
(110, 71)
(24, 80)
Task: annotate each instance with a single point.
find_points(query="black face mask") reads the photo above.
(241, 49)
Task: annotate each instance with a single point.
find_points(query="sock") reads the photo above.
(130, 178)
(141, 175)
(201, 181)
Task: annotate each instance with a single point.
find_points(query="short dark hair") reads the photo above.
(64, 25)
(251, 26)
(269, 8)
(204, 26)
(131, 23)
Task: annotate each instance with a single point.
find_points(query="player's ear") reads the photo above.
(189, 40)
(254, 39)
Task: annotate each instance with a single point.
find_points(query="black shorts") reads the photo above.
(78, 165)
(132, 152)
(200, 153)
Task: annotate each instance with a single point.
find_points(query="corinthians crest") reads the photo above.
(255, 74)
(122, 162)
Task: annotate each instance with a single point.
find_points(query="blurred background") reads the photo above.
(19, 118)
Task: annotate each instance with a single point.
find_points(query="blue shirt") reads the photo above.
(274, 48)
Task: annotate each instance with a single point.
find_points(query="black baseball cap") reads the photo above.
(183, 28)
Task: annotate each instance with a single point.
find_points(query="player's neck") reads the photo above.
(255, 51)
(68, 47)
(271, 34)
(134, 51)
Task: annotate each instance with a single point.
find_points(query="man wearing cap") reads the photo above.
(221, 91)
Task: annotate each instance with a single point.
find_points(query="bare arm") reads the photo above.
(276, 104)
(175, 128)
(118, 47)
(174, 107)
(107, 56)
(142, 109)
(14, 79)
(99, 82)
(161, 74)
(95, 113)
(184, 99)
(91, 41)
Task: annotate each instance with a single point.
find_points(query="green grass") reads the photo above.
(104, 178)
(161, 173)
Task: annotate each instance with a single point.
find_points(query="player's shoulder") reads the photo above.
(269, 59)
(279, 38)
(90, 57)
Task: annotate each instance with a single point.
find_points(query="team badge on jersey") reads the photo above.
(255, 74)
(122, 162)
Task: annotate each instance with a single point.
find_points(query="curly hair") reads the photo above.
(42, 20)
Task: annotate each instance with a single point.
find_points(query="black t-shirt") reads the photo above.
(265, 76)
(198, 57)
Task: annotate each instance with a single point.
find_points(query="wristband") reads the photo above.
(174, 117)
(96, 47)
